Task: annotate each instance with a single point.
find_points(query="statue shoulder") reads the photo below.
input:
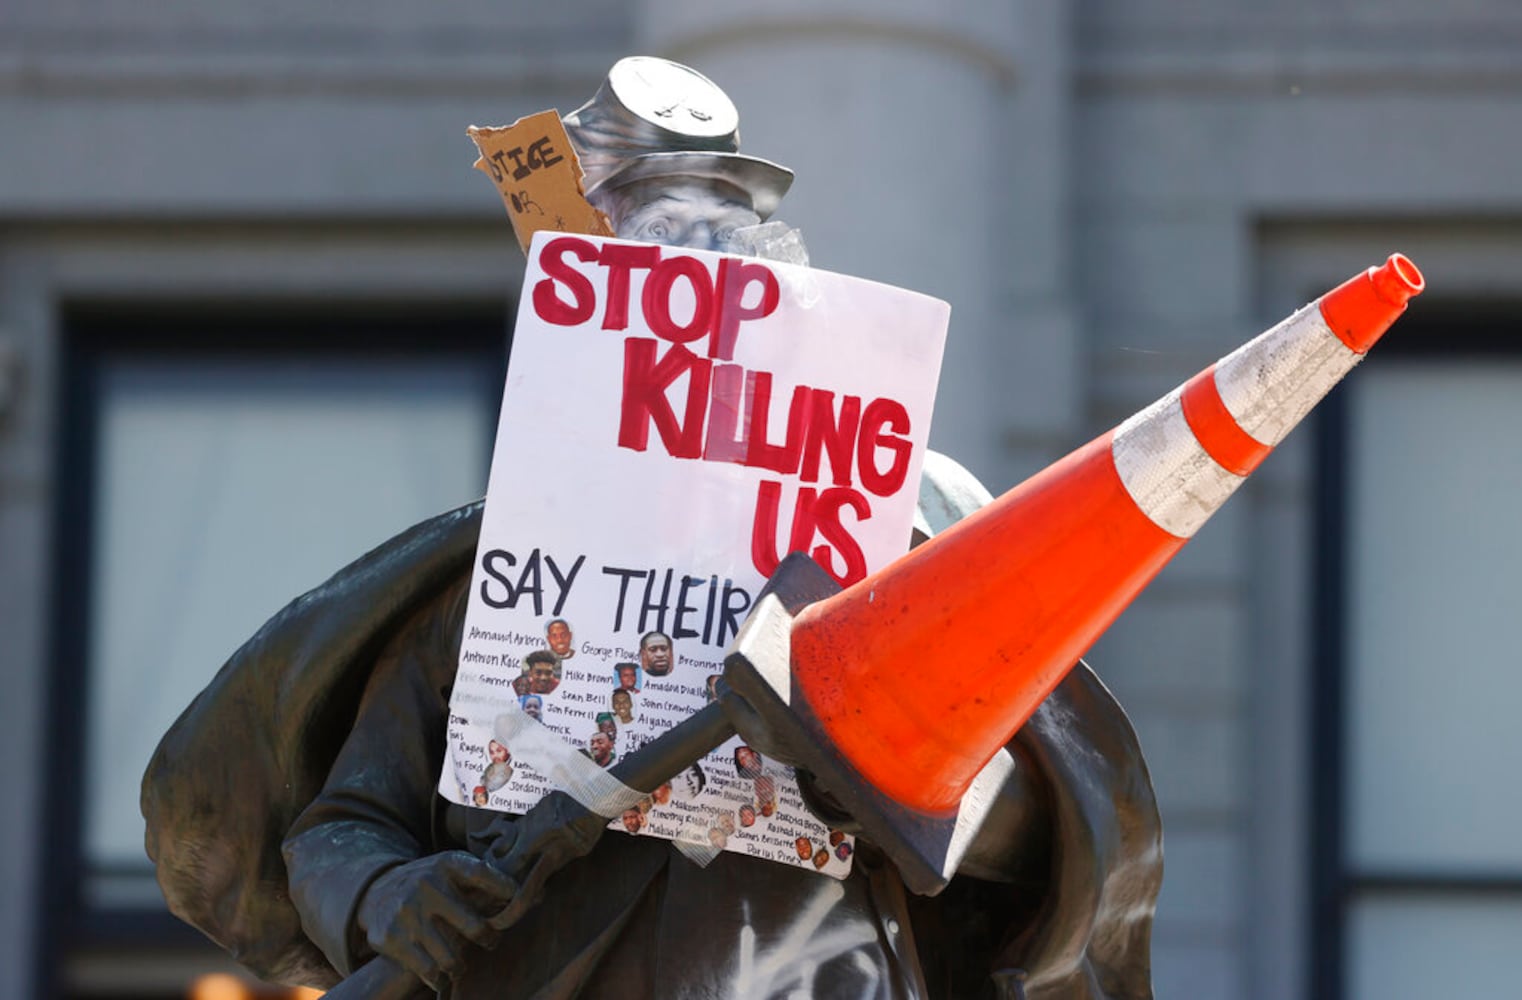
(216, 812)
(948, 493)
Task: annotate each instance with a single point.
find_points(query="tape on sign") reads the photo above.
(564, 765)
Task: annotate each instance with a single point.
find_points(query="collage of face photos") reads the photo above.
(603, 701)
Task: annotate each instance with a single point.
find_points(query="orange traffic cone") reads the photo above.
(917, 675)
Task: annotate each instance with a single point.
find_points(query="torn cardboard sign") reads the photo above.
(536, 171)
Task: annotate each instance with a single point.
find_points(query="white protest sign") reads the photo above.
(674, 422)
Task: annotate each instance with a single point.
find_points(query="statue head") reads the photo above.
(659, 143)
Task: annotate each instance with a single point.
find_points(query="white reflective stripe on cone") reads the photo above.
(1270, 383)
(1173, 480)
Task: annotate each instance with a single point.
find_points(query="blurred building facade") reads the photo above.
(253, 305)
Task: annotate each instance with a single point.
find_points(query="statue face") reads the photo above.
(693, 212)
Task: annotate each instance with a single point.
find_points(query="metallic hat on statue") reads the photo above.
(655, 118)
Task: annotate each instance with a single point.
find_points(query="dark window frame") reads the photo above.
(1433, 330)
(95, 333)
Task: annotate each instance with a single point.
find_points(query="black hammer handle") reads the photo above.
(645, 769)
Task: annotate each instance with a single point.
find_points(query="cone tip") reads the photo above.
(1398, 279)
(1362, 308)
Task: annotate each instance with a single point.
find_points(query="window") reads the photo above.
(1419, 869)
(217, 463)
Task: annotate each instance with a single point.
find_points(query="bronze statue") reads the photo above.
(331, 845)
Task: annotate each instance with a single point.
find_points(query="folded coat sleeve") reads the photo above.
(377, 809)
(1060, 884)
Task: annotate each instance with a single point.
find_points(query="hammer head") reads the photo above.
(772, 713)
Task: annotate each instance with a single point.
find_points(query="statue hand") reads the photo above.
(555, 832)
(421, 913)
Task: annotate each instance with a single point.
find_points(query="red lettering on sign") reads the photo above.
(657, 299)
(881, 413)
(619, 260)
(547, 303)
(723, 411)
(825, 433)
(763, 534)
(735, 277)
(762, 454)
(645, 401)
(827, 508)
(727, 436)
(814, 513)
(719, 300)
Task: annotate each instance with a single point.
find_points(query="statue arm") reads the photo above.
(1067, 867)
(376, 810)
